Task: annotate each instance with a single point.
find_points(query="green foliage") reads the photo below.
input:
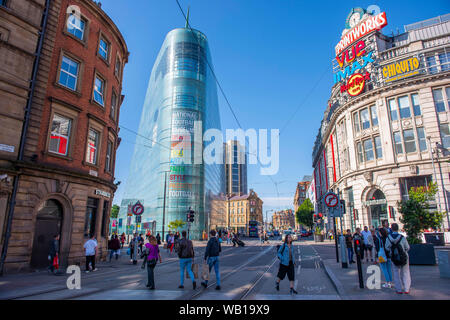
(115, 211)
(416, 215)
(304, 214)
(176, 224)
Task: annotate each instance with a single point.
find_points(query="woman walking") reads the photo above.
(383, 255)
(152, 255)
(286, 254)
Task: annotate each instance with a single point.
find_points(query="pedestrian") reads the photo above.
(140, 243)
(383, 256)
(212, 253)
(261, 237)
(171, 242)
(385, 224)
(228, 237)
(358, 236)
(286, 254)
(158, 238)
(134, 243)
(152, 256)
(53, 253)
(90, 248)
(167, 241)
(186, 254)
(349, 245)
(367, 243)
(398, 248)
(114, 247)
(122, 239)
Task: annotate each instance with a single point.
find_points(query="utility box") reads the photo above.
(444, 263)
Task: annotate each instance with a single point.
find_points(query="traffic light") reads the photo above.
(343, 206)
(191, 214)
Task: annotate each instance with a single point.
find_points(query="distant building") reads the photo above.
(301, 195)
(235, 168)
(283, 220)
(242, 209)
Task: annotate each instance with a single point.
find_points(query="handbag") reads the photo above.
(194, 268)
(205, 271)
(56, 262)
(128, 251)
(152, 263)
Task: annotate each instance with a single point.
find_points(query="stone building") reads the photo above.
(239, 211)
(386, 127)
(283, 220)
(301, 193)
(61, 171)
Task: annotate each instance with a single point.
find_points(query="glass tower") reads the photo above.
(181, 93)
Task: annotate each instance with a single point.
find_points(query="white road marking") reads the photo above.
(295, 285)
(298, 269)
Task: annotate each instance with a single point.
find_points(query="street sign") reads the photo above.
(138, 209)
(331, 200)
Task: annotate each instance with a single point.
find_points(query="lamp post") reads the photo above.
(438, 148)
(164, 204)
(267, 221)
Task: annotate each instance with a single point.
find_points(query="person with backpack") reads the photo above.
(398, 247)
(286, 255)
(382, 256)
(349, 245)
(212, 252)
(186, 254)
(114, 247)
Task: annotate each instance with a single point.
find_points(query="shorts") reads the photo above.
(290, 270)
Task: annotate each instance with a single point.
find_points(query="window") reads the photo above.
(406, 184)
(445, 135)
(431, 63)
(92, 147)
(105, 218)
(103, 49)
(416, 105)
(373, 112)
(378, 148)
(444, 60)
(117, 68)
(113, 106)
(356, 121)
(360, 152)
(91, 217)
(68, 75)
(398, 143)
(99, 90)
(365, 122)
(439, 100)
(410, 143)
(76, 26)
(422, 139)
(3, 3)
(368, 150)
(109, 149)
(403, 104)
(393, 110)
(59, 139)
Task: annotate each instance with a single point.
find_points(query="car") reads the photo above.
(285, 233)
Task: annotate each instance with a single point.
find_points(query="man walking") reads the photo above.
(90, 248)
(186, 255)
(398, 247)
(349, 245)
(212, 252)
(53, 253)
(367, 243)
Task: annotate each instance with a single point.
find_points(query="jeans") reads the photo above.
(150, 275)
(214, 261)
(111, 252)
(90, 259)
(186, 262)
(387, 271)
(350, 254)
(402, 277)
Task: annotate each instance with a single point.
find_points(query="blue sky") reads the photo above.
(272, 57)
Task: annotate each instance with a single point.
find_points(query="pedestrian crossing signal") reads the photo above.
(190, 215)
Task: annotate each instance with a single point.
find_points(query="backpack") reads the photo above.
(278, 248)
(398, 255)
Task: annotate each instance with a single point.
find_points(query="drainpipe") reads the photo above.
(12, 201)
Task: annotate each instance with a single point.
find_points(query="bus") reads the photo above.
(253, 228)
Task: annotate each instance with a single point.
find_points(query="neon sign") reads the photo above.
(351, 69)
(355, 84)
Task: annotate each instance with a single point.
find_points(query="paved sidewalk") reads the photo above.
(426, 282)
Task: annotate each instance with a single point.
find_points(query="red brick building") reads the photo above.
(65, 176)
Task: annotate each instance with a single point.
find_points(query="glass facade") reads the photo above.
(181, 91)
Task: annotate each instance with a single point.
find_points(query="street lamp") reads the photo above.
(265, 227)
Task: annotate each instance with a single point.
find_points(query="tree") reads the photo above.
(176, 224)
(115, 211)
(304, 214)
(416, 213)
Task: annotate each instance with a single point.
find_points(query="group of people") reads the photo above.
(384, 246)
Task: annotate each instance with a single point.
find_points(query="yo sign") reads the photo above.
(138, 209)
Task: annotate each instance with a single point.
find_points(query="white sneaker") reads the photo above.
(95, 269)
(87, 271)
(385, 285)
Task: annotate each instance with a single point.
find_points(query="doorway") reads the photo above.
(378, 208)
(48, 224)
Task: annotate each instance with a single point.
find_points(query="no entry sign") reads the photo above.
(331, 200)
(138, 209)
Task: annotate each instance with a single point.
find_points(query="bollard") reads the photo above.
(344, 256)
(358, 260)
